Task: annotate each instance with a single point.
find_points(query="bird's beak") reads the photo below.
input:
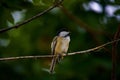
(69, 33)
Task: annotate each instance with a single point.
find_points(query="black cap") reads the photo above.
(62, 29)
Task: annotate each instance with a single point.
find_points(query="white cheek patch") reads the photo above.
(64, 33)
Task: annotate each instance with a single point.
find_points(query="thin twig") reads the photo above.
(96, 48)
(47, 56)
(32, 18)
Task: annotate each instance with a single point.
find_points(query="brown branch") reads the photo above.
(82, 24)
(32, 18)
(76, 20)
(114, 54)
(47, 56)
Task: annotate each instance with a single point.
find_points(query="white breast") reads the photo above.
(68, 38)
(65, 44)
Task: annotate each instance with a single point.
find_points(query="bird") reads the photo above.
(59, 47)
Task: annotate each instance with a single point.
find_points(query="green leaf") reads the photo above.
(38, 2)
(9, 16)
(43, 2)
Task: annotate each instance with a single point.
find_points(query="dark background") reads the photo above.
(91, 23)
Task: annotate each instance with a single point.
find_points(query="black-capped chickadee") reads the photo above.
(59, 46)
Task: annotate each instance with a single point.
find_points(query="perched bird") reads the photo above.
(59, 46)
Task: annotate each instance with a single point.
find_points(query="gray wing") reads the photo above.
(53, 44)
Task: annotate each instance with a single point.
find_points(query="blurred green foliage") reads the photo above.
(101, 18)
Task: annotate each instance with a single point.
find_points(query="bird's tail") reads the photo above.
(53, 63)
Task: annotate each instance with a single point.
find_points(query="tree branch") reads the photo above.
(114, 54)
(77, 20)
(48, 56)
(32, 18)
(81, 23)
